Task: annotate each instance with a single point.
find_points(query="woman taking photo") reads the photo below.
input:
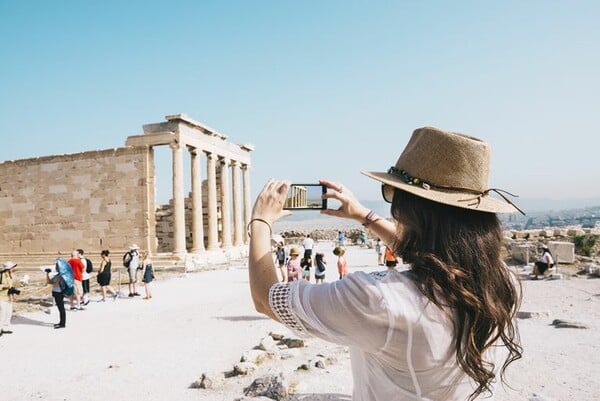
(442, 330)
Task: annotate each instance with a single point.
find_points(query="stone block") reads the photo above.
(562, 252)
(520, 253)
(574, 232)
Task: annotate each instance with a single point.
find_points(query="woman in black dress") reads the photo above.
(104, 276)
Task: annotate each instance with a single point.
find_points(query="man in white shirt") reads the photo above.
(85, 282)
(308, 245)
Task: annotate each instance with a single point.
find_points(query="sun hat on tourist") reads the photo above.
(339, 251)
(134, 246)
(294, 252)
(449, 168)
(7, 266)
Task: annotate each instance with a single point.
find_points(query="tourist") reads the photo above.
(379, 250)
(85, 277)
(308, 245)
(546, 262)
(104, 276)
(444, 329)
(306, 264)
(57, 293)
(342, 264)
(293, 265)
(147, 274)
(280, 256)
(390, 258)
(131, 261)
(7, 292)
(341, 238)
(320, 267)
(362, 237)
(78, 269)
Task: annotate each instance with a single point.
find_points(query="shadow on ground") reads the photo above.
(241, 318)
(29, 321)
(321, 397)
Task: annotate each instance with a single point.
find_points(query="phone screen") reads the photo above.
(306, 196)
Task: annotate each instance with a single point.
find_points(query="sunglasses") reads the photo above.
(387, 191)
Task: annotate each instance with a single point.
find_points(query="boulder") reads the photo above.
(268, 344)
(243, 368)
(562, 252)
(566, 324)
(293, 342)
(289, 353)
(205, 382)
(270, 386)
(256, 356)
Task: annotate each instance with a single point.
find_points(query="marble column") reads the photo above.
(247, 205)
(238, 231)
(197, 221)
(225, 204)
(179, 247)
(213, 232)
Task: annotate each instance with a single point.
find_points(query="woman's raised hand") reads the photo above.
(269, 203)
(350, 207)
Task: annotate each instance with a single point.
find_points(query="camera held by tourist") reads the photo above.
(442, 330)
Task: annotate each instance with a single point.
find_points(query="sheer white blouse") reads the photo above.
(400, 343)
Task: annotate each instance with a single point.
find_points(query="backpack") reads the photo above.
(127, 258)
(89, 266)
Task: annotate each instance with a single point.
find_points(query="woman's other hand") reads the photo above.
(350, 207)
(270, 201)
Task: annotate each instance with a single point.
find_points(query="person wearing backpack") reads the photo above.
(59, 298)
(131, 261)
(88, 268)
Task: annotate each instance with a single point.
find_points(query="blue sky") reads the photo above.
(321, 88)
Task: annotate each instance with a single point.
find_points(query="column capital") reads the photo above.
(210, 155)
(175, 145)
(194, 151)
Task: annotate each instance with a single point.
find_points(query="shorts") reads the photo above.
(132, 274)
(77, 288)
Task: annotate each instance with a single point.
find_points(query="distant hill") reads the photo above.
(302, 219)
(546, 205)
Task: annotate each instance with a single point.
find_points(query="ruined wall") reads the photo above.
(93, 200)
(164, 220)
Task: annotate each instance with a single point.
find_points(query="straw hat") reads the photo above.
(449, 168)
(294, 251)
(7, 266)
(339, 251)
(134, 246)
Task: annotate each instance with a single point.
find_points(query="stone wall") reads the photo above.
(164, 220)
(92, 200)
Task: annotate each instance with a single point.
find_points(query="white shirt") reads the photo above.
(85, 274)
(401, 344)
(135, 259)
(308, 243)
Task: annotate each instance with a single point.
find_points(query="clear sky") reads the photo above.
(321, 88)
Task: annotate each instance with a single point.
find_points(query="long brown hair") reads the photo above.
(455, 258)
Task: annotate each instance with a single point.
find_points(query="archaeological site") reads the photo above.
(105, 199)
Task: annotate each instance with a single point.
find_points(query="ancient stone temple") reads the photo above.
(105, 199)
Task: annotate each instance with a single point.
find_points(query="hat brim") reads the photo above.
(5, 268)
(462, 200)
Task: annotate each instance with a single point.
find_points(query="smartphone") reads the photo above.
(305, 197)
